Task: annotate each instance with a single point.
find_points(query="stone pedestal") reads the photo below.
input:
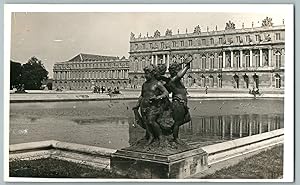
(139, 165)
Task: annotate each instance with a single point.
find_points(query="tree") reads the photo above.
(15, 74)
(33, 73)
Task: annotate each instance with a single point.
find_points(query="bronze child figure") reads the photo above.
(180, 111)
(152, 93)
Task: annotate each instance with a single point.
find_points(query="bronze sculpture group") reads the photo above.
(154, 111)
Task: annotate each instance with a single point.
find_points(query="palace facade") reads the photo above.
(229, 58)
(85, 71)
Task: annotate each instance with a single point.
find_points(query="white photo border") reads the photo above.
(288, 172)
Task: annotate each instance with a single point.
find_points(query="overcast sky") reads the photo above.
(56, 37)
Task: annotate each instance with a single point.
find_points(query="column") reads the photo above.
(241, 58)
(250, 128)
(156, 59)
(231, 58)
(223, 127)
(152, 59)
(224, 58)
(259, 127)
(241, 128)
(270, 58)
(260, 57)
(168, 62)
(230, 128)
(164, 59)
(250, 57)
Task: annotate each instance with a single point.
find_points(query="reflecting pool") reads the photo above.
(110, 124)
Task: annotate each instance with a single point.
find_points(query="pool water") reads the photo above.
(110, 124)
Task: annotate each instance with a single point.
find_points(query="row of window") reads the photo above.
(211, 41)
(91, 65)
(217, 63)
(92, 75)
(209, 81)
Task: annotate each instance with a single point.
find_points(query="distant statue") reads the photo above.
(267, 22)
(230, 26)
(140, 35)
(132, 36)
(156, 34)
(168, 32)
(197, 29)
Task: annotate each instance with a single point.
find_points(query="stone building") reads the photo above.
(85, 71)
(229, 58)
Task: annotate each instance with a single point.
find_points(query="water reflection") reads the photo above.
(107, 120)
(120, 132)
(215, 129)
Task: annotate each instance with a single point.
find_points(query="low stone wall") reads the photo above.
(230, 149)
(98, 157)
(89, 155)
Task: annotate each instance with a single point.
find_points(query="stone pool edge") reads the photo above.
(97, 157)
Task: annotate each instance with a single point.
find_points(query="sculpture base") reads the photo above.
(146, 165)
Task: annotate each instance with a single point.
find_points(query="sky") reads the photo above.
(58, 36)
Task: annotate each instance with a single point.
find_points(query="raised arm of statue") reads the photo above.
(182, 72)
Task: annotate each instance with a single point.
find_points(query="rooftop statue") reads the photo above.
(168, 32)
(156, 34)
(132, 36)
(230, 26)
(267, 22)
(197, 29)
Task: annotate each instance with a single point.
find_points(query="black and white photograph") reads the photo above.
(149, 93)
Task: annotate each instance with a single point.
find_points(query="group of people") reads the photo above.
(255, 91)
(159, 115)
(103, 89)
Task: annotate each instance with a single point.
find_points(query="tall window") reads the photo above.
(150, 45)
(174, 43)
(247, 58)
(220, 40)
(181, 59)
(212, 41)
(219, 81)
(211, 62)
(203, 62)
(182, 43)
(277, 59)
(203, 42)
(136, 65)
(238, 61)
(144, 46)
(211, 81)
(277, 81)
(190, 42)
(257, 37)
(238, 39)
(162, 45)
(136, 46)
(220, 62)
(247, 38)
(277, 36)
(257, 60)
